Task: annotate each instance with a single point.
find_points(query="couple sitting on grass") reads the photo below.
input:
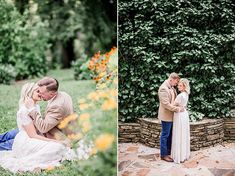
(33, 146)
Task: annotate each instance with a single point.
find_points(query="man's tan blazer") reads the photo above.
(57, 109)
(166, 109)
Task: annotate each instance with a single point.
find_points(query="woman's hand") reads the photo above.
(29, 103)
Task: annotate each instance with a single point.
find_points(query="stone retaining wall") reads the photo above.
(205, 133)
(229, 130)
(129, 132)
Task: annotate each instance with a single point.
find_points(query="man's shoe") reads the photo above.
(167, 158)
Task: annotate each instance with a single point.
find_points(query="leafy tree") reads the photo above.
(90, 23)
(23, 43)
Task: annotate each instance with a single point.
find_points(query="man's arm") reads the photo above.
(164, 99)
(52, 118)
(31, 131)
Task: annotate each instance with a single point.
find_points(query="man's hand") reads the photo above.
(29, 103)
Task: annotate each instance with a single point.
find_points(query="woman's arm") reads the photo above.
(165, 100)
(31, 131)
(177, 101)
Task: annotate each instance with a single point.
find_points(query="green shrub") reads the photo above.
(195, 116)
(23, 41)
(194, 38)
(7, 74)
(80, 66)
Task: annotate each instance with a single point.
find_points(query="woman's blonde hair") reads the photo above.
(185, 82)
(27, 91)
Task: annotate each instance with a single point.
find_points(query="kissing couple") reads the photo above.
(175, 134)
(33, 146)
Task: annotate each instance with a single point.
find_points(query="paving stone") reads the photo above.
(138, 159)
(140, 165)
(151, 157)
(223, 172)
(132, 149)
(127, 173)
(142, 172)
(124, 164)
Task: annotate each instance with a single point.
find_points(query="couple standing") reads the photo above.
(33, 145)
(175, 135)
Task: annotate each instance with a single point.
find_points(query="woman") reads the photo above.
(180, 150)
(31, 151)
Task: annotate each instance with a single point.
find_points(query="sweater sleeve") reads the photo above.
(52, 118)
(165, 100)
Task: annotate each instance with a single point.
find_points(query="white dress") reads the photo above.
(180, 149)
(28, 153)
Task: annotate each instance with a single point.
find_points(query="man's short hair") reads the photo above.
(51, 83)
(174, 76)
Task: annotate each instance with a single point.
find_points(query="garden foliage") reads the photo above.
(80, 66)
(92, 24)
(88, 125)
(193, 38)
(23, 43)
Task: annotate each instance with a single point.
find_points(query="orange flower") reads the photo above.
(86, 126)
(84, 117)
(66, 120)
(93, 151)
(103, 94)
(50, 168)
(93, 96)
(102, 74)
(108, 77)
(91, 65)
(113, 92)
(83, 106)
(97, 55)
(109, 104)
(104, 141)
(75, 136)
(102, 86)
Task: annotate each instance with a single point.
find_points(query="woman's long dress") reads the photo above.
(28, 153)
(180, 150)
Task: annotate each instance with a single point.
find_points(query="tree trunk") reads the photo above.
(67, 54)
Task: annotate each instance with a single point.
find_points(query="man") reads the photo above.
(59, 106)
(167, 95)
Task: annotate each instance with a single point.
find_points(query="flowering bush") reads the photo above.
(89, 126)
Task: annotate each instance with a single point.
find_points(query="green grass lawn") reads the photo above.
(102, 122)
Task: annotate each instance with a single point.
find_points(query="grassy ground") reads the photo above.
(9, 95)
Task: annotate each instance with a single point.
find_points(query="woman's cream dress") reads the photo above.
(180, 150)
(28, 153)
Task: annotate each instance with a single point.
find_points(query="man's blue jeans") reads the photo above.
(166, 138)
(6, 139)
